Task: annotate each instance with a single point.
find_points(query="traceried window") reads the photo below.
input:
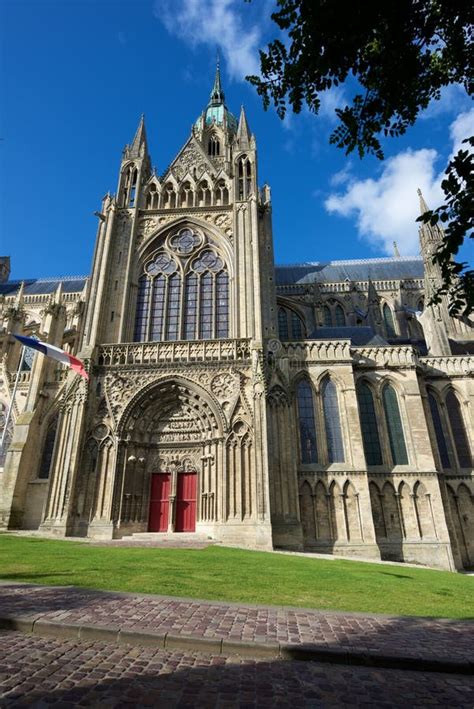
(339, 316)
(394, 426)
(388, 320)
(129, 189)
(368, 424)
(327, 316)
(458, 430)
(214, 147)
(438, 427)
(182, 295)
(307, 426)
(332, 422)
(290, 325)
(244, 177)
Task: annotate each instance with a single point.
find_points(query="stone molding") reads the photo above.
(146, 353)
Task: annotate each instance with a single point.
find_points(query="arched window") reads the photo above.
(213, 146)
(394, 426)
(327, 316)
(244, 177)
(296, 326)
(204, 194)
(438, 427)
(456, 422)
(339, 316)
(283, 324)
(368, 424)
(169, 196)
(186, 195)
(48, 448)
(172, 308)
(309, 453)
(129, 189)
(152, 197)
(388, 320)
(332, 422)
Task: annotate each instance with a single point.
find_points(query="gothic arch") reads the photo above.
(215, 416)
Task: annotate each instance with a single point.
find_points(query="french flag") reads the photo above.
(54, 353)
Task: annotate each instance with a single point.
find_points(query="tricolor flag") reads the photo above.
(54, 353)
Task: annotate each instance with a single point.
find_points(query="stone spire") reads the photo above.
(396, 252)
(243, 131)
(139, 146)
(217, 96)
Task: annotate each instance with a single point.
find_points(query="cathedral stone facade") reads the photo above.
(323, 406)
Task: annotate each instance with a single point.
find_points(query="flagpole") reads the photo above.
(12, 402)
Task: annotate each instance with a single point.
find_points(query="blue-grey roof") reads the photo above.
(377, 269)
(357, 335)
(44, 286)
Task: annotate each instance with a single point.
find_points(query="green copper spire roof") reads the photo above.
(217, 97)
(216, 112)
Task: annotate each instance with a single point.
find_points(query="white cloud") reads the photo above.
(217, 24)
(453, 98)
(330, 100)
(385, 209)
(461, 128)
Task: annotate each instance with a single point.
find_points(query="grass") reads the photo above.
(219, 573)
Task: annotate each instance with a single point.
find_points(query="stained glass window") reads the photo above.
(205, 325)
(296, 327)
(459, 432)
(309, 453)
(368, 424)
(327, 316)
(222, 310)
(157, 308)
(143, 303)
(48, 448)
(438, 427)
(190, 306)
(332, 422)
(388, 320)
(340, 317)
(394, 426)
(168, 309)
(174, 300)
(283, 324)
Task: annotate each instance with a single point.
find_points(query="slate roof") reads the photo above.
(44, 286)
(358, 336)
(377, 269)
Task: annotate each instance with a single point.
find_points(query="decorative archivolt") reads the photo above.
(129, 398)
(150, 225)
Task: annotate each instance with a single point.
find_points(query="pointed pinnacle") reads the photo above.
(396, 252)
(423, 206)
(140, 136)
(243, 131)
(217, 95)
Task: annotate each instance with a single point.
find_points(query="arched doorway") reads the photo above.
(172, 436)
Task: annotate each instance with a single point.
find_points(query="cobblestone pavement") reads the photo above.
(349, 632)
(40, 672)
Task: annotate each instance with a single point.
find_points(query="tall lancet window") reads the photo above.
(394, 426)
(214, 147)
(332, 422)
(304, 393)
(458, 430)
(388, 320)
(244, 177)
(129, 189)
(369, 425)
(183, 293)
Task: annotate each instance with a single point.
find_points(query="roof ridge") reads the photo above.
(46, 279)
(381, 259)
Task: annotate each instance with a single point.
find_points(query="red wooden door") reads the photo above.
(159, 502)
(186, 502)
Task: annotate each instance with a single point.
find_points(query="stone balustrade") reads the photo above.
(313, 351)
(171, 352)
(391, 356)
(456, 365)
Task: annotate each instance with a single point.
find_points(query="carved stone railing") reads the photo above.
(393, 356)
(169, 352)
(456, 365)
(317, 350)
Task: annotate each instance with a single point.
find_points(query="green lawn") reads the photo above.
(219, 573)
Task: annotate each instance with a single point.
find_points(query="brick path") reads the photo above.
(228, 626)
(41, 672)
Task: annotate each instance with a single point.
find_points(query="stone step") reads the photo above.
(168, 536)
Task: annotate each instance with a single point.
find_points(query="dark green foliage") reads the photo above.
(395, 56)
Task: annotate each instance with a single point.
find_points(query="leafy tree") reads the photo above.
(397, 55)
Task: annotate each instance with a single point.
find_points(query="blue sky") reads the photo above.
(77, 74)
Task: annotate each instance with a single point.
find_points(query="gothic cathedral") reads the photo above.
(320, 407)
